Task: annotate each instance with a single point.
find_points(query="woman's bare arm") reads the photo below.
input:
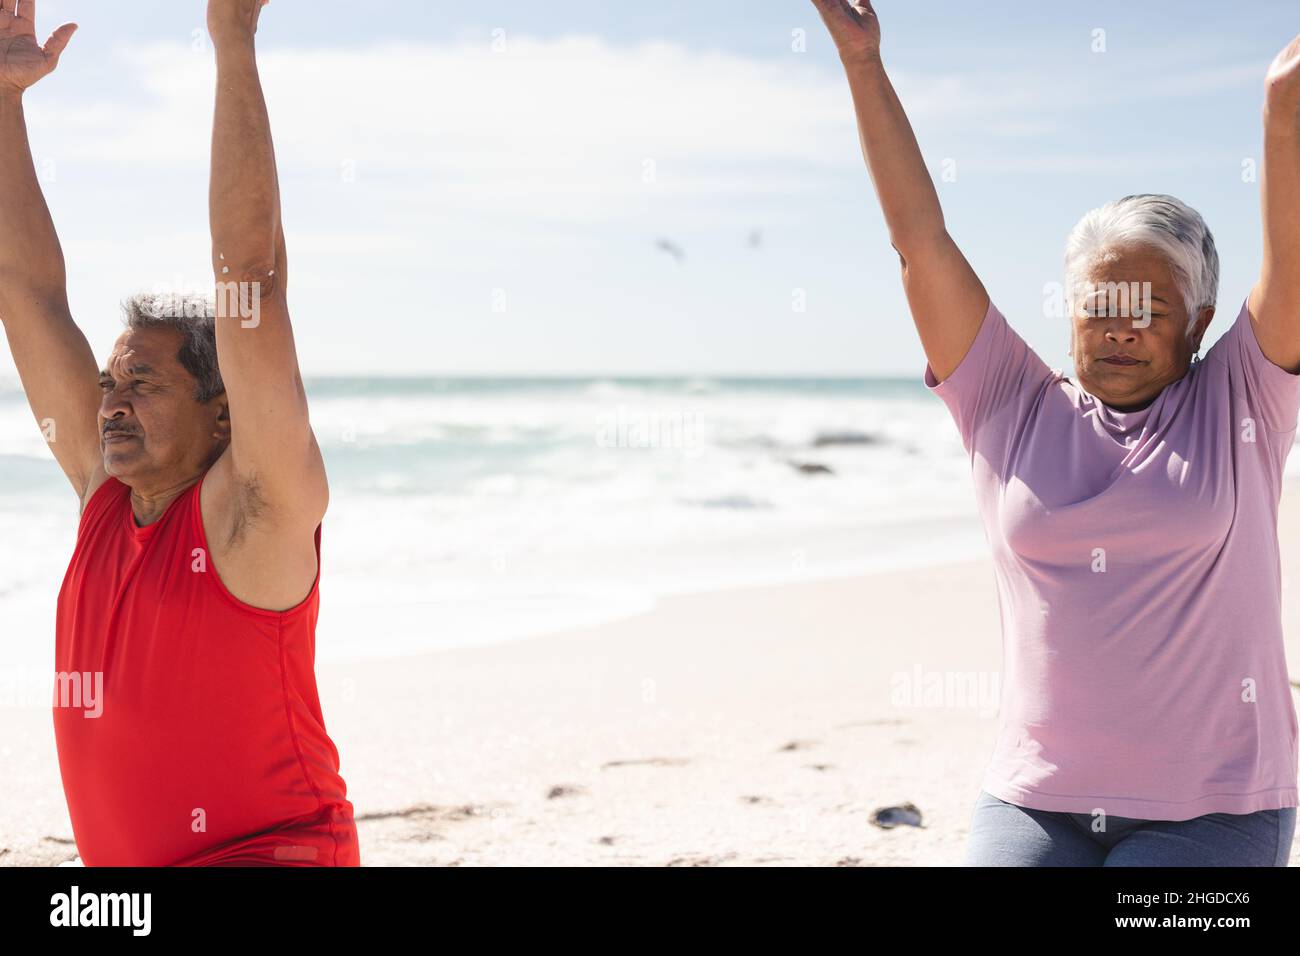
(1275, 299)
(947, 299)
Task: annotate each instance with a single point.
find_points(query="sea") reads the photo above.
(475, 510)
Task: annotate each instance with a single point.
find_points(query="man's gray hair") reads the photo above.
(1162, 222)
(192, 315)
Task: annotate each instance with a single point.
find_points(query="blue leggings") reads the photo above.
(1004, 834)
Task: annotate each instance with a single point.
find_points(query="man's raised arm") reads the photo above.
(54, 360)
(273, 452)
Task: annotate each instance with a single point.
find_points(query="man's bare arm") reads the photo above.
(947, 299)
(273, 450)
(53, 358)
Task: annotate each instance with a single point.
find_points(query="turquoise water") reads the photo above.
(473, 509)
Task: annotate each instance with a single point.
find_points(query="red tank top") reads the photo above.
(209, 747)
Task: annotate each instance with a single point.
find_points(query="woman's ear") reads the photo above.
(1202, 323)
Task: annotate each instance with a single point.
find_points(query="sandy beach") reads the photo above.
(758, 726)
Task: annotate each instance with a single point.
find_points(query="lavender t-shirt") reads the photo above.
(1136, 560)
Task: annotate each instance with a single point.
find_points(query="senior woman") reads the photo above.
(1146, 716)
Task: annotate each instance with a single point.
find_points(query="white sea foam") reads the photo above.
(465, 511)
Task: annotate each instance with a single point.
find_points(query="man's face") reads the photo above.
(151, 428)
(1156, 343)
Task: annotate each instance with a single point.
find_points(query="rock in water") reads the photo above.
(824, 439)
(810, 468)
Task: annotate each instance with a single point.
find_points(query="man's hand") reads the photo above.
(22, 62)
(854, 27)
(233, 20)
(1282, 87)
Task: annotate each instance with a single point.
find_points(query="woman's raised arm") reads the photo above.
(1275, 299)
(947, 300)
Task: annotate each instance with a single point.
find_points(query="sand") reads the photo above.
(758, 726)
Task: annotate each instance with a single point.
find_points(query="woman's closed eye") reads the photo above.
(1105, 315)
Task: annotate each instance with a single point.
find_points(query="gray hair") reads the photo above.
(194, 317)
(1162, 222)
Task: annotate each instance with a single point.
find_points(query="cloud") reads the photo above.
(577, 128)
(573, 127)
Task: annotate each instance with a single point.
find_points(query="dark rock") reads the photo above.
(887, 818)
(826, 439)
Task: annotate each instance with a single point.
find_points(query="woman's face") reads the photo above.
(1150, 332)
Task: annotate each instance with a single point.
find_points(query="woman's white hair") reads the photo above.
(1164, 223)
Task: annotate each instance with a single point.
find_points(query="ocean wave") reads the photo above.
(702, 386)
(731, 502)
(607, 388)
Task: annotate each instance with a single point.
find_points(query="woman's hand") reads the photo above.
(1282, 87)
(22, 62)
(233, 20)
(854, 27)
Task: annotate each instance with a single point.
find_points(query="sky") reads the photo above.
(480, 188)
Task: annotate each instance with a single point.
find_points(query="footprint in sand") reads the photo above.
(564, 790)
(701, 860)
(798, 745)
(424, 828)
(823, 767)
(648, 762)
(756, 799)
(468, 811)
